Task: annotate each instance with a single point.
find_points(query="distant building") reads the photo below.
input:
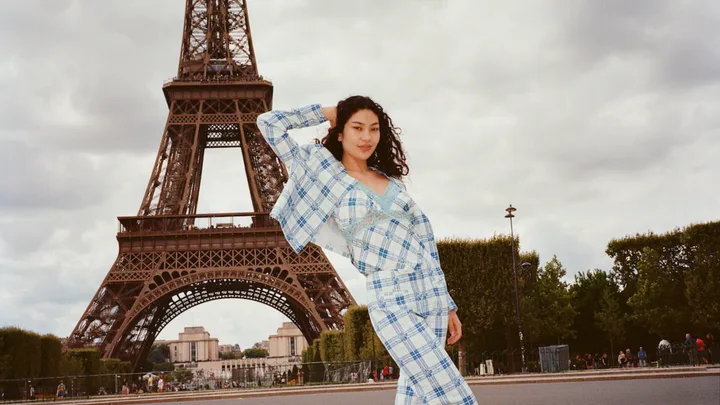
(287, 344)
(226, 348)
(193, 345)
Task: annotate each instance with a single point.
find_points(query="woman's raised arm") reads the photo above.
(274, 126)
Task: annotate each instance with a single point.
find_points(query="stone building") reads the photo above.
(194, 344)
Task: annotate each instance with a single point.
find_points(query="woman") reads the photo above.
(345, 194)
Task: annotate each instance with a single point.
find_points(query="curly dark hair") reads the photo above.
(389, 157)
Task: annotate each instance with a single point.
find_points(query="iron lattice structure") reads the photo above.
(171, 258)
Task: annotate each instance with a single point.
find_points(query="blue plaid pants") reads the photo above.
(413, 327)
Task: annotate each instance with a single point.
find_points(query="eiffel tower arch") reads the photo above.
(170, 257)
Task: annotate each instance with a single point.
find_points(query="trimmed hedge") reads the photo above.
(25, 354)
(356, 319)
(50, 356)
(332, 345)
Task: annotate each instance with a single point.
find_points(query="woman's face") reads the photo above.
(360, 135)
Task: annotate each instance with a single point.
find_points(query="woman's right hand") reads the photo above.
(330, 115)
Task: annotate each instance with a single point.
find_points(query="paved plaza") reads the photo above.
(695, 391)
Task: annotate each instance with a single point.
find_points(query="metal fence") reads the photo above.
(52, 388)
(683, 355)
(185, 379)
(505, 362)
(497, 362)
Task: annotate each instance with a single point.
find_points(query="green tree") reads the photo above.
(159, 353)
(659, 302)
(549, 313)
(293, 374)
(317, 368)
(356, 318)
(255, 353)
(182, 375)
(373, 348)
(610, 319)
(480, 277)
(665, 268)
(71, 365)
(51, 356)
(332, 346)
(702, 277)
(587, 292)
(232, 355)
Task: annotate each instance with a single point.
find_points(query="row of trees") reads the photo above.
(661, 286)
(29, 357)
(356, 342)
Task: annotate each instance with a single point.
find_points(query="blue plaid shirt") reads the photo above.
(316, 187)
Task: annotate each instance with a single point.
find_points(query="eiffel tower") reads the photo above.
(170, 257)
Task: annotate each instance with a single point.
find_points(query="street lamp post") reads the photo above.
(374, 374)
(518, 318)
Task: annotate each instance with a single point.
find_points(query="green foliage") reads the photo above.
(159, 353)
(610, 319)
(231, 355)
(308, 354)
(480, 277)
(89, 358)
(671, 280)
(659, 302)
(50, 355)
(702, 277)
(587, 292)
(255, 353)
(163, 367)
(317, 368)
(109, 368)
(356, 318)
(481, 280)
(70, 366)
(332, 345)
(20, 351)
(373, 348)
(89, 364)
(20, 357)
(293, 374)
(182, 375)
(549, 313)
(627, 254)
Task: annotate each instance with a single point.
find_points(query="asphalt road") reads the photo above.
(685, 391)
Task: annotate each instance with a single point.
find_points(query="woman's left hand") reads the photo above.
(454, 327)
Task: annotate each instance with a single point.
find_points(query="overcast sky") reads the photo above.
(596, 119)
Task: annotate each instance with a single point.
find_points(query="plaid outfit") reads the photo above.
(388, 239)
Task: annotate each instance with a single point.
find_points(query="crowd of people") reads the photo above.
(693, 351)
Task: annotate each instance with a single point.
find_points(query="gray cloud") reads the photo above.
(595, 119)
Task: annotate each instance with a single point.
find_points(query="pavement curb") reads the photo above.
(329, 389)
